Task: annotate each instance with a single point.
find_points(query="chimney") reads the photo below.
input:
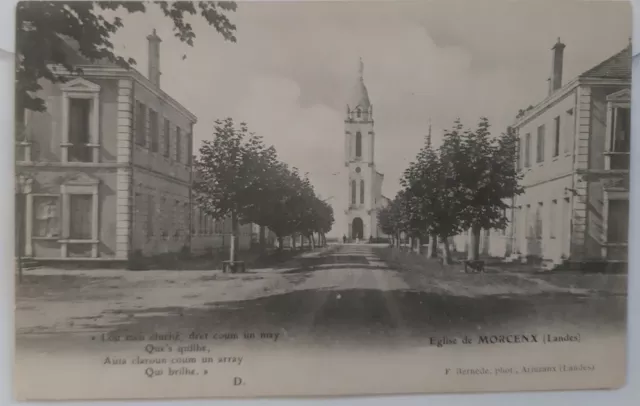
(154, 58)
(556, 69)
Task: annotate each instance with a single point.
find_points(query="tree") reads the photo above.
(228, 181)
(488, 180)
(45, 27)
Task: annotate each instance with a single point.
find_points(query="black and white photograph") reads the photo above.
(320, 198)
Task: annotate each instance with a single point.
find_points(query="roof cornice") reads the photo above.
(118, 72)
(557, 96)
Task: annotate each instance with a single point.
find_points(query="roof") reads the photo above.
(616, 67)
(359, 96)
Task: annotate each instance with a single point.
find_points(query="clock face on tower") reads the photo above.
(358, 169)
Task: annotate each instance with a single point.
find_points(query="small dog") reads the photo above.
(474, 266)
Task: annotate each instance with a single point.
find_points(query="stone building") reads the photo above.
(364, 181)
(574, 154)
(107, 167)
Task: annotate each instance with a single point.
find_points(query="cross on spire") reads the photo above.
(361, 68)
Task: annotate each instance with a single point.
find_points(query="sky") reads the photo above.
(294, 65)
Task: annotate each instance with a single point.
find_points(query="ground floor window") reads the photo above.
(46, 214)
(80, 221)
(618, 221)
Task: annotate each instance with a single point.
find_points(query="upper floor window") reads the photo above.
(153, 130)
(527, 150)
(166, 138)
(569, 131)
(540, 144)
(79, 117)
(556, 136)
(518, 155)
(141, 124)
(362, 192)
(358, 144)
(620, 130)
(178, 145)
(80, 121)
(618, 136)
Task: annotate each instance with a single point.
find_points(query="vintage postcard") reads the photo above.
(251, 199)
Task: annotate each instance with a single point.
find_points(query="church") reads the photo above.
(364, 181)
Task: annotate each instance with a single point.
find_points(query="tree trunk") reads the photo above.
(473, 253)
(433, 246)
(312, 241)
(232, 248)
(280, 243)
(446, 253)
(293, 242)
(418, 245)
(262, 239)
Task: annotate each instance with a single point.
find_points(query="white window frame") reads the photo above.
(80, 88)
(80, 187)
(620, 99)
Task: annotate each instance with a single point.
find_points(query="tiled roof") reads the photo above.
(616, 67)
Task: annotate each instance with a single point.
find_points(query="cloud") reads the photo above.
(290, 73)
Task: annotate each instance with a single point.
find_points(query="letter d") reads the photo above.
(237, 381)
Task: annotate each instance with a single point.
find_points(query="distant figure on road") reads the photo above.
(344, 239)
(357, 240)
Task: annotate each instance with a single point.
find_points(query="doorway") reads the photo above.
(357, 228)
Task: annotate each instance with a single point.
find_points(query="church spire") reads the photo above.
(359, 98)
(429, 134)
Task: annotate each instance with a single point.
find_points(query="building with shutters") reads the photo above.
(574, 151)
(106, 169)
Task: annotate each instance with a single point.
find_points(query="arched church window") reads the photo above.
(361, 192)
(358, 144)
(353, 192)
(358, 112)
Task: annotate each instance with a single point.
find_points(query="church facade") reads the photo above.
(364, 181)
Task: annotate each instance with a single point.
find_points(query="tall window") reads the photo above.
(362, 192)
(358, 144)
(79, 130)
(358, 113)
(353, 192)
(540, 144)
(552, 218)
(167, 138)
(178, 145)
(538, 223)
(46, 216)
(151, 211)
(621, 135)
(556, 138)
(527, 150)
(618, 221)
(153, 130)
(569, 131)
(141, 124)
(518, 155)
(81, 214)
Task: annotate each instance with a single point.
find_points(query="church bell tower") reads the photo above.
(364, 183)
